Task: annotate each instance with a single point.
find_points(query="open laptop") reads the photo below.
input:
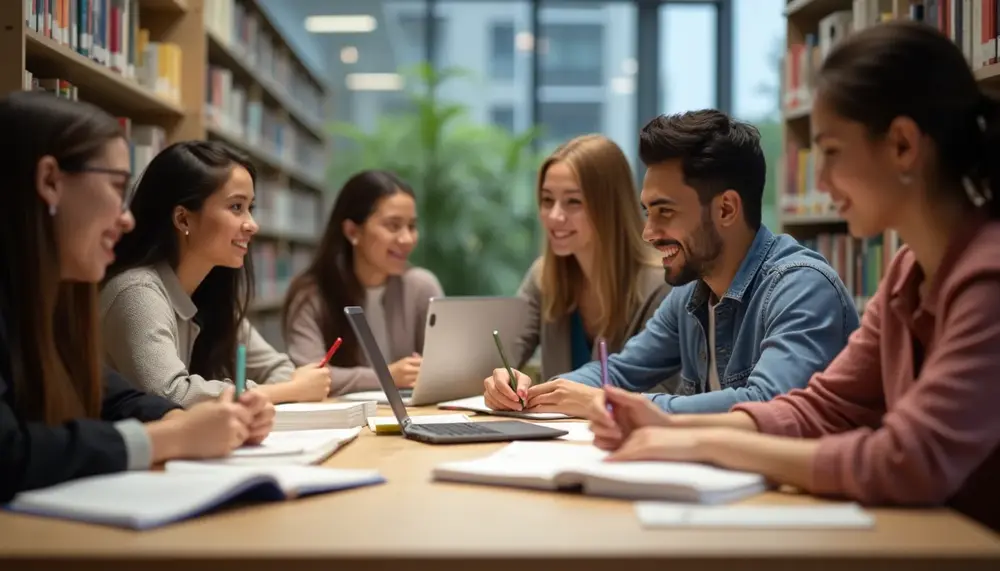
(461, 325)
(452, 433)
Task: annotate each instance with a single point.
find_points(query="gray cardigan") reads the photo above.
(405, 303)
(554, 336)
(149, 333)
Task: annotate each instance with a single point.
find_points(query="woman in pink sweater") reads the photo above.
(908, 413)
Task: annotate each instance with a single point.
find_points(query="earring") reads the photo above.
(354, 241)
(52, 210)
(186, 232)
(978, 197)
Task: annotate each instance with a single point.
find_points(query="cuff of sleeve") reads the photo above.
(771, 417)
(830, 463)
(661, 400)
(138, 446)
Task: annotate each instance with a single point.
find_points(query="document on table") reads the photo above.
(835, 516)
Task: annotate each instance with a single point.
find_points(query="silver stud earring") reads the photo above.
(186, 233)
(52, 210)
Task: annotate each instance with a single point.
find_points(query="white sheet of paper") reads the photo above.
(837, 516)
(578, 431)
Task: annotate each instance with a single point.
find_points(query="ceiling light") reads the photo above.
(524, 41)
(340, 24)
(374, 81)
(349, 54)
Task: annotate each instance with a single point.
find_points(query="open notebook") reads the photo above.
(144, 500)
(314, 415)
(554, 465)
(478, 404)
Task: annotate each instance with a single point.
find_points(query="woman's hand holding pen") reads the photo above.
(498, 393)
(629, 412)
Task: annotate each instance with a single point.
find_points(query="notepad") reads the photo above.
(478, 404)
(300, 447)
(389, 424)
(317, 415)
(836, 516)
(556, 465)
(145, 500)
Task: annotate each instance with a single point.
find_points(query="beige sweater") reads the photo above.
(404, 303)
(149, 334)
(554, 336)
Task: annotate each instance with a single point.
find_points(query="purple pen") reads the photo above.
(602, 347)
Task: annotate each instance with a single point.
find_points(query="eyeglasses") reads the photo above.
(129, 189)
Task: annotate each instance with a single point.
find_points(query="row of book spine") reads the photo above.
(145, 141)
(232, 108)
(240, 28)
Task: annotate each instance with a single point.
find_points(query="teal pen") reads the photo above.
(241, 369)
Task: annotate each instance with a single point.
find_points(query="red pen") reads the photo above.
(329, 354)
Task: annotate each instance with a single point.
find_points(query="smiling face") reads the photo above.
(384, 242)
(219, 233)
(858, 172)
(89, 219)
(563, 212)
(678, 225)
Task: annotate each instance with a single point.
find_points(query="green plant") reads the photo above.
(473, 182)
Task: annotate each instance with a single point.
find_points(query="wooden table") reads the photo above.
(413, 523)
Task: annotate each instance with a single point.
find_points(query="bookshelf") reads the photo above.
(811, 24)
(174, 70)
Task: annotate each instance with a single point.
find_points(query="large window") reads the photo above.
(502, 51)
(587, 71)
(572, 54)
(688, 57)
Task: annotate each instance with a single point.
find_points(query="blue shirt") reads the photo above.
(785, 316)
(580, 347)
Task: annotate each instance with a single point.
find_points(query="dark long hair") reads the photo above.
(186, 174)
(51, 326)
(909, 69)
(331, 274)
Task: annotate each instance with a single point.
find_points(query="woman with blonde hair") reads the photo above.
(596, 278)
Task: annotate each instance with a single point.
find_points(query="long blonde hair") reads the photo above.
(612, 202)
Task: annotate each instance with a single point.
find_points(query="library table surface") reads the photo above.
(411, 522)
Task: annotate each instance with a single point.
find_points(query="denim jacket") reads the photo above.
(785, 316)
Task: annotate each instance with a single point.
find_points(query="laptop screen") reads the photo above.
(356, 316)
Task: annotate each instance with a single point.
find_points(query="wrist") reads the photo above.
(279, 392)
(167, 438)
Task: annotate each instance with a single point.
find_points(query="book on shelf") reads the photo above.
(241, 29)
(145, 500)
(860, 262)
(108, 32)
(972, 24)
(561, 466)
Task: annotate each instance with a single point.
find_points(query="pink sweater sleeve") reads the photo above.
(848, 394)
(943, 428)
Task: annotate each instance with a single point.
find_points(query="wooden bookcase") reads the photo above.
(228, 67)
(805, 213)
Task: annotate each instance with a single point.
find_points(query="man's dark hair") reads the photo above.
(717, 153)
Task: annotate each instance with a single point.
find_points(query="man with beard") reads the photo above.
(752, 314)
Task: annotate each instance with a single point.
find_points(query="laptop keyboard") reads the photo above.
(459, 428)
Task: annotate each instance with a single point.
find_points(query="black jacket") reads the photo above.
(36, 455)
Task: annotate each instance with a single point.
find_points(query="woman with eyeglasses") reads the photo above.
(362, 260)
(174, 309)
(62, 415)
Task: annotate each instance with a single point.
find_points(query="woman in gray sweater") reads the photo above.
(174, 309)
